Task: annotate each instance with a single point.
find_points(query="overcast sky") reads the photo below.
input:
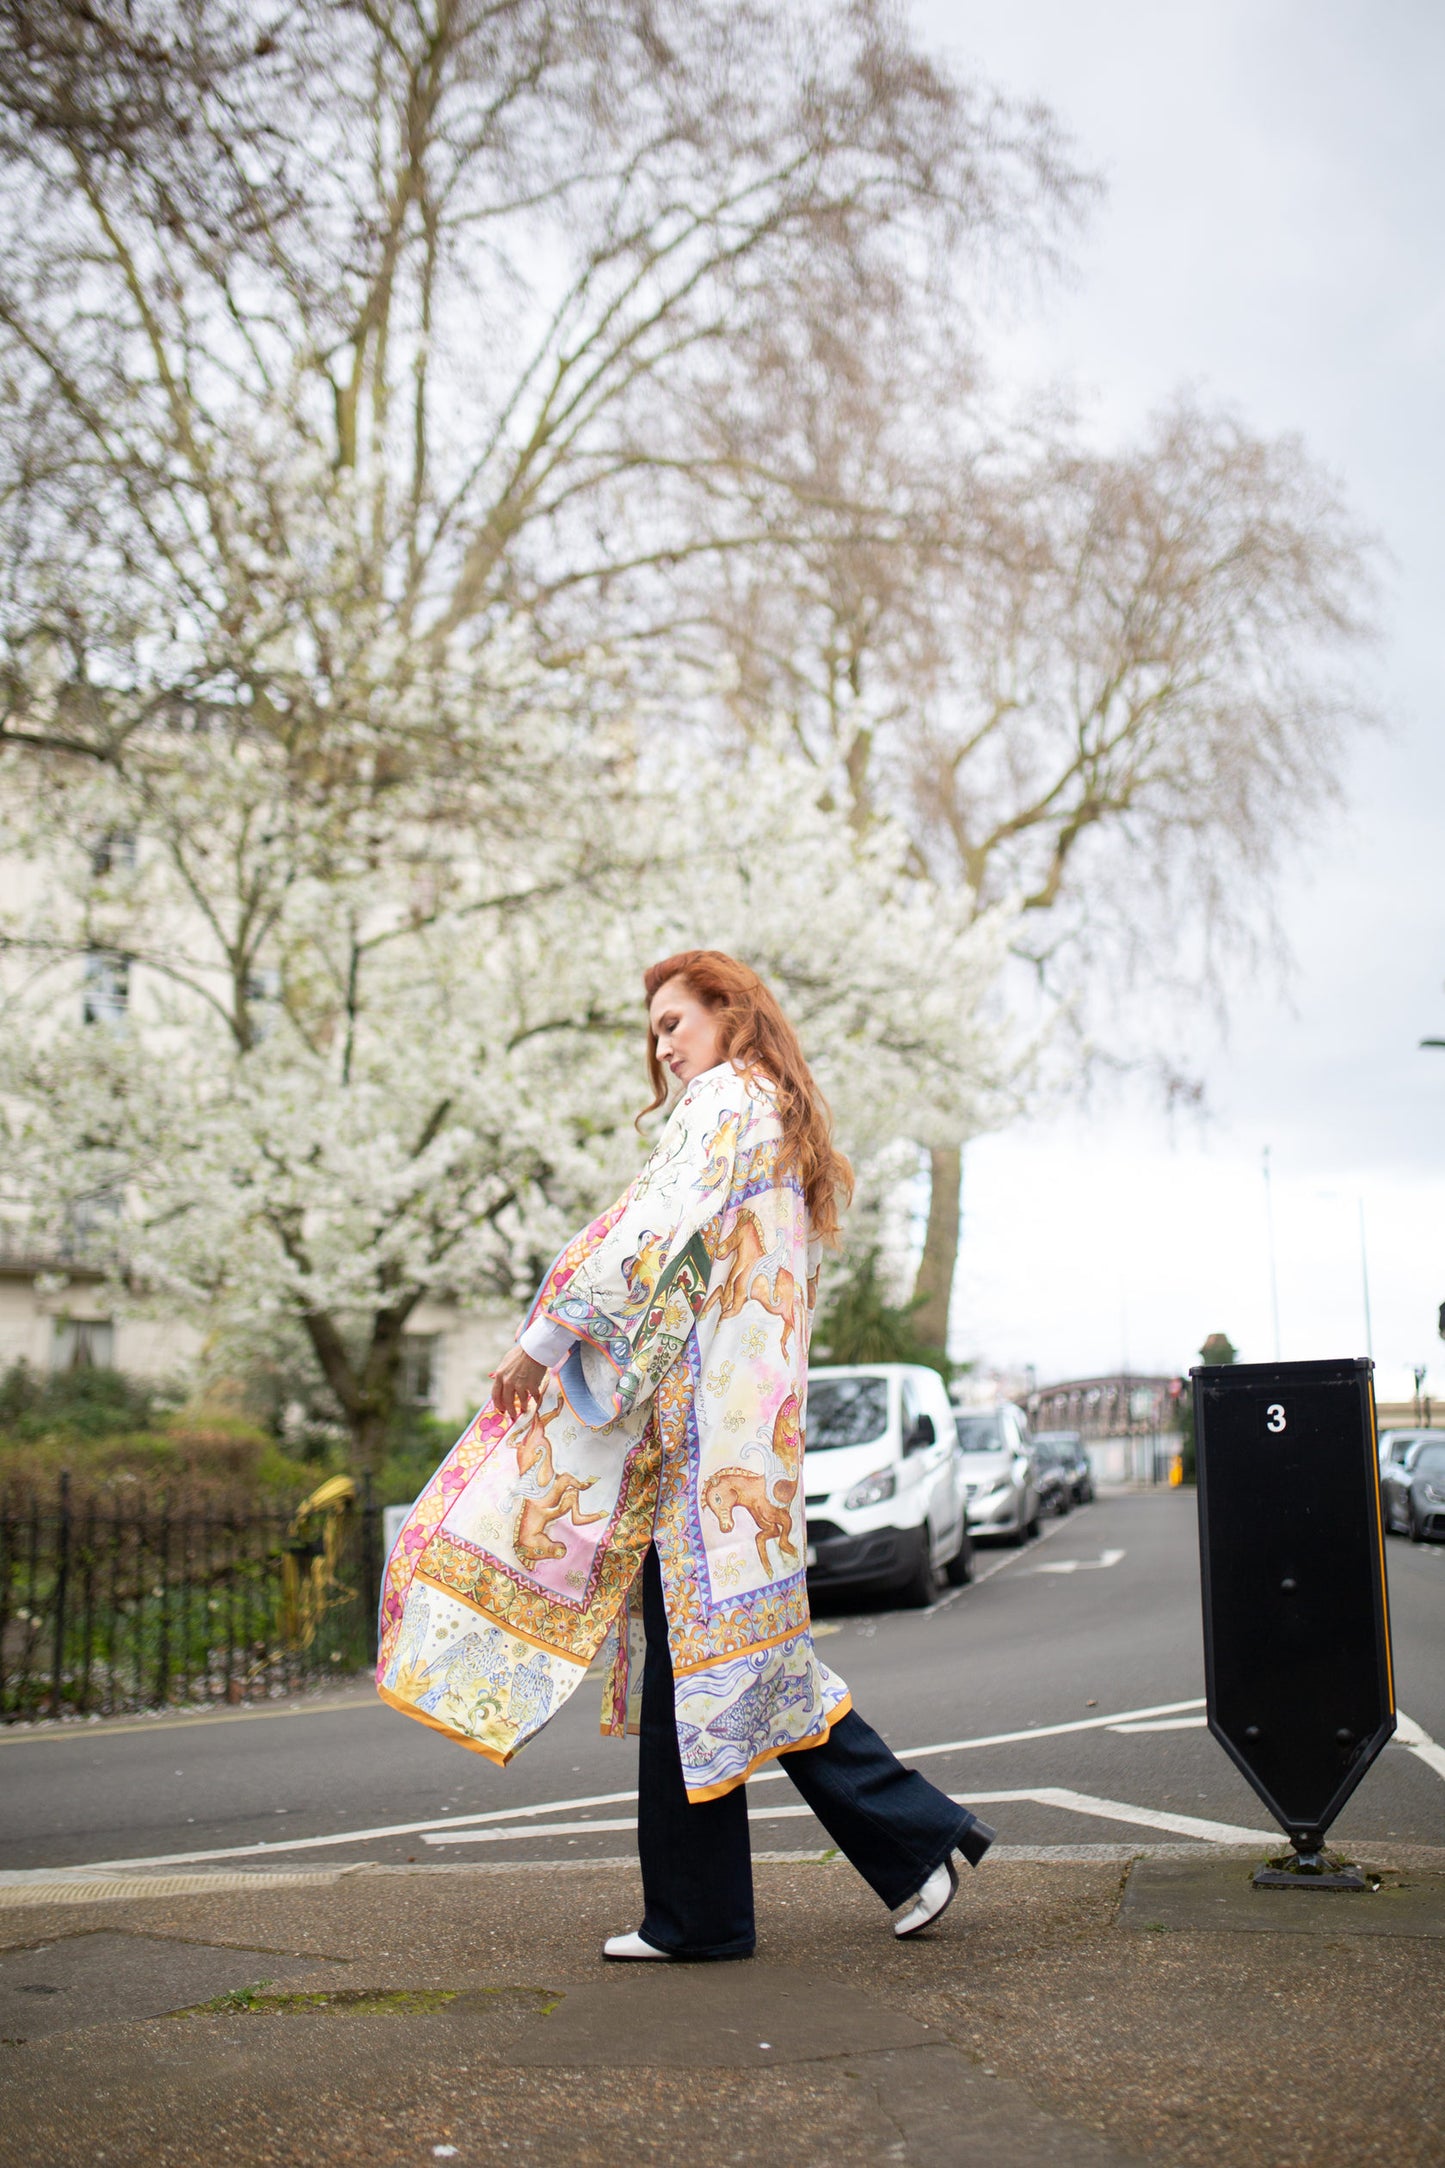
(1273, 235)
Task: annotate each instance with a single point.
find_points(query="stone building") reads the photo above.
(1129, 1424)
(56, 1314)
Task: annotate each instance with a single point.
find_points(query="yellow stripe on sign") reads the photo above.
(1380, 1539)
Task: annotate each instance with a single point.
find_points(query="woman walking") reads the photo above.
(645, 1441)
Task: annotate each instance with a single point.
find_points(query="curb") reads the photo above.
(72, 1886)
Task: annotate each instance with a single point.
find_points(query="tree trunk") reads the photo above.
(368, 1441)
(380, 1381)
(934, 1284)
(368, 1394)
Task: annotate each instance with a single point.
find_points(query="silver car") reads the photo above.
(1398, 1446)
(1070, 1448)
(998, 1472)
(1412, 1491)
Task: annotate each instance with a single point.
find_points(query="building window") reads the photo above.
(421, 1369)
(106, 994)
(92, 1222)
(112, 852)
(83, 1343)
(263, 998)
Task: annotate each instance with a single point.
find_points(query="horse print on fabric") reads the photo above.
(675, 1419)
(533, 1540)
(756, 1273)
(766, 1494)
(534, 1447)
(551, 1495)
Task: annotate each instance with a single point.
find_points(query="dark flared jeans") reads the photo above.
(697, 1870)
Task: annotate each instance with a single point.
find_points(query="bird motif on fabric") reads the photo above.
(463, 1673)
(530, 1701)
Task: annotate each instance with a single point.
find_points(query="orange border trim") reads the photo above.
(772, 1753)
(420, 1716)
(504, 1625)
(711, 1791)
(1380, 1539)
(744, 1648)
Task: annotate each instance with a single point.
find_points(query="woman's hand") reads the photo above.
(517, 1383)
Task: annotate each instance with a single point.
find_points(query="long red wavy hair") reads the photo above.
(756, 1035)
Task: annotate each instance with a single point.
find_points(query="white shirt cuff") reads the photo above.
(546, 1343)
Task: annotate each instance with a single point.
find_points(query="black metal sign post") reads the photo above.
(1296, 1615)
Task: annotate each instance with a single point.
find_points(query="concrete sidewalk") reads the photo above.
(1086, 2009)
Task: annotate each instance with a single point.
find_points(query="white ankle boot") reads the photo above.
(633, 1946)
(932, 1901)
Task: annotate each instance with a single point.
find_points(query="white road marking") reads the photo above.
(598, 1799)
(577, 1829)
(526, 1835)
(347, 1836)
(1409, 1734)
(1048, 1795)
(1117, 1810)
(1079, 1565)
(1045, 1731)
(560, 1807)
(1166, 1723)
(1009, 1558)
(271, 1847)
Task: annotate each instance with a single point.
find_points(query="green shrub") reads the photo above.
(860, 1325)
(106, 1428)
(78, 1403)
(417, 1445)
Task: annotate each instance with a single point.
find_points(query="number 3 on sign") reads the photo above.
(1274, 1418)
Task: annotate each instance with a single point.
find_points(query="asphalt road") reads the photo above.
(1062, 1692)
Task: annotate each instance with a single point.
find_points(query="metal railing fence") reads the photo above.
(111, 1603)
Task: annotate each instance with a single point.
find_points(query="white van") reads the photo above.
(883, 1481)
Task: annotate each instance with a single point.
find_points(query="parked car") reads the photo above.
(1412, 1491)
(1396, 1461)
(1396, 1445)
(883, 1481)
(1003, 1495)
(1051, 1474)
(1069, 1447)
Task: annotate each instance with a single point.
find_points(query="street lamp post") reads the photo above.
(1419, 1378)
(1273, 1268)
(1365, 1282)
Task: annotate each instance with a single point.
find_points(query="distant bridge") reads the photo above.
(1129, 1423)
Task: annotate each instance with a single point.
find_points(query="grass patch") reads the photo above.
(237, 1998)
(358, 2002)
(372, 2001)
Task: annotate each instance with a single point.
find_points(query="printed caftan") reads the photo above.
(677, 1419)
